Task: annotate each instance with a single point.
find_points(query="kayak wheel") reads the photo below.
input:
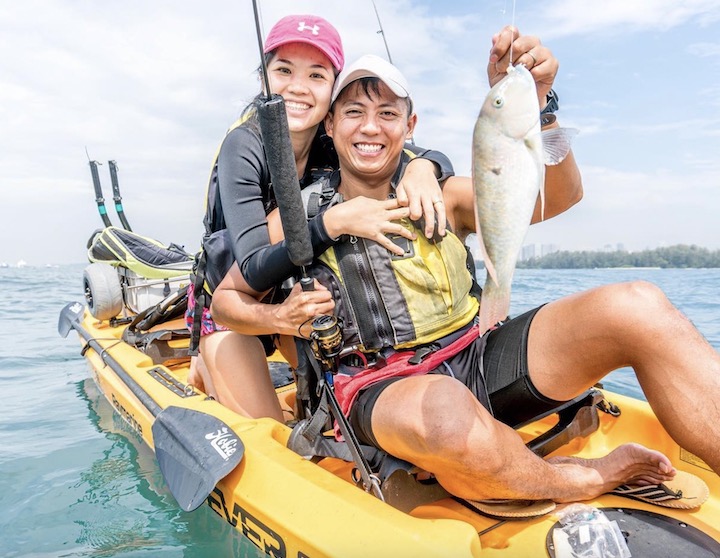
(103, 292)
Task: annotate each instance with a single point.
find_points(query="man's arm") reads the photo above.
(563, 185)
(563, 189)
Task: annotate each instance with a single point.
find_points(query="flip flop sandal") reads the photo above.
(684, 492)
(513, 509)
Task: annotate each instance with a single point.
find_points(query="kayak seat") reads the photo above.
(160, 331)
(398, 478)
(165, 343)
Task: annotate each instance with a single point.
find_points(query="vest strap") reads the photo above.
(398, 365)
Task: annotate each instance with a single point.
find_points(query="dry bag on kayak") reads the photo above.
(147, 271)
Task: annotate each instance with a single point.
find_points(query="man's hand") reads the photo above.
(526, 50)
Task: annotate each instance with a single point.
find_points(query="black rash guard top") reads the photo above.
(246, 197)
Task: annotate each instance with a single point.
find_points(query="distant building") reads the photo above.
(527, 252)
(546, 249)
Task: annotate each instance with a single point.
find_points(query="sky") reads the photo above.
(154, 86)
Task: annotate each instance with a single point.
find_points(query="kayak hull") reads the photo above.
(289, 506)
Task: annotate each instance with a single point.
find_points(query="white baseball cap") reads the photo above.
(372, 66)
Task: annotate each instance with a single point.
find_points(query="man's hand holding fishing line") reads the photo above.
(526, 50)
(563, 184)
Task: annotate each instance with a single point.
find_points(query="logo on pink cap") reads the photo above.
(309, 29)
(314, 29)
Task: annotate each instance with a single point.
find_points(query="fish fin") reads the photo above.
(494, 308)
(487, 262)
(542, 200)
(556, 144)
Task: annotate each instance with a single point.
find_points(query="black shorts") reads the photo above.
(494, 368)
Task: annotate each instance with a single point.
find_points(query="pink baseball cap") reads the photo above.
(309, 29)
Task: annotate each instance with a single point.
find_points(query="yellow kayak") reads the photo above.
(291, 506)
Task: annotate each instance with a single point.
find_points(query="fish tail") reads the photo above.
(494, 308)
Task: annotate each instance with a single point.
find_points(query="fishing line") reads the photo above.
(512, 25)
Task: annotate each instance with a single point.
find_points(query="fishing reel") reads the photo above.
(326, 340)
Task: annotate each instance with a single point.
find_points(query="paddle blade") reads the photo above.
(194, 450)
(69, 317)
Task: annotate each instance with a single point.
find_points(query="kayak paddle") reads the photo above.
(194, 450)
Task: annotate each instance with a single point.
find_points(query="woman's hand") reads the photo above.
(295, 314)
(526, 50)
(369, 218)
(420, 191)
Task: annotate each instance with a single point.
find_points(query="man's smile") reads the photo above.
(368, 147)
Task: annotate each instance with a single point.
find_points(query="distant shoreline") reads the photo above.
(480, 265)
(680, 256)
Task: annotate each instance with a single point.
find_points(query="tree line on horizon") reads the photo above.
(677, 256)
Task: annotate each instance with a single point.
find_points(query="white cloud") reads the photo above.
(155, 85)
(572, 17)
(704, 50)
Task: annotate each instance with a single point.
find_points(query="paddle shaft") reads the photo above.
(115, 366)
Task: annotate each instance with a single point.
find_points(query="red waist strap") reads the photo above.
(397, 366)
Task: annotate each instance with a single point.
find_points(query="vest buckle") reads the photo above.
(421, 354)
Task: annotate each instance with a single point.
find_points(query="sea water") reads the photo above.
(75, 482)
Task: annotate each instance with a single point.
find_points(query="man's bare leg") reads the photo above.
(436, 423)
(577, 340)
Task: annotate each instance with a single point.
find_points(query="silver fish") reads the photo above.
(508, 173)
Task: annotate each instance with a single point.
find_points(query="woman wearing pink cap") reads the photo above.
(303, 55)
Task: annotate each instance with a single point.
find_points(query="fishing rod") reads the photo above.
(382, 32)
(99, 199)
(112, 165)
(283, 172)
(275, 131)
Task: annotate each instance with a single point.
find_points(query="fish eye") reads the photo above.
(498, 102)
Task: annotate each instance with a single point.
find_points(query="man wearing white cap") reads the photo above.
(416, 379)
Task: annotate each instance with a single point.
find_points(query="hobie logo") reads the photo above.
(223, 442)
(314, 29)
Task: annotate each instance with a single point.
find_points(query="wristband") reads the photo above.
(547, 115)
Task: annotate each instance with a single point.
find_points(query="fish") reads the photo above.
(509, 155)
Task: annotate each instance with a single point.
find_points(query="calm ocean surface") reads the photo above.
(74, 482)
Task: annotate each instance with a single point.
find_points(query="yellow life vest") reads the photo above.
(386, 300)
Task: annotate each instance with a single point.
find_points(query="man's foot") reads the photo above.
(628, 464)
